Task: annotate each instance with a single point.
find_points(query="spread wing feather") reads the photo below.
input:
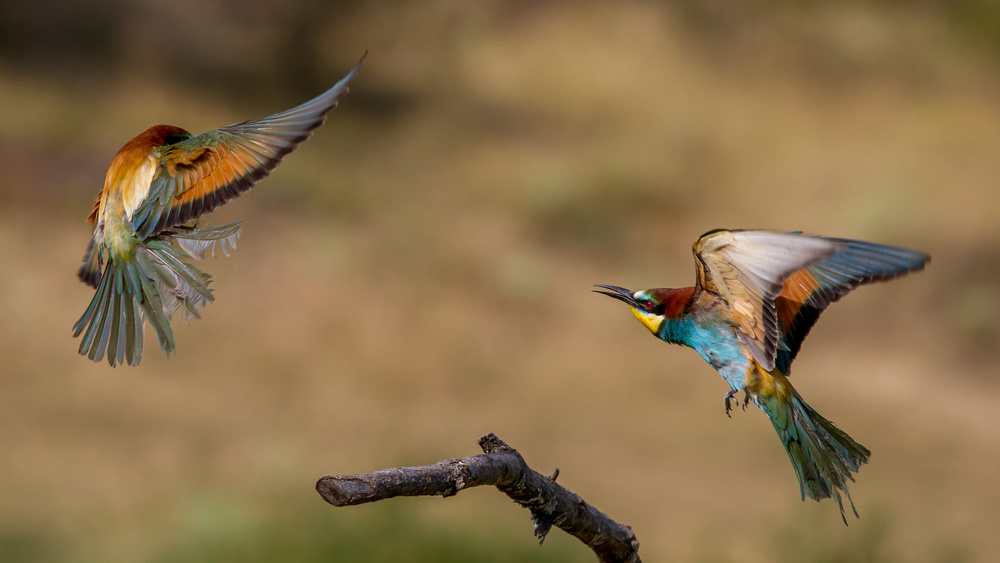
(202, 172)
(745, 269)
(776, 284)
(807, 292)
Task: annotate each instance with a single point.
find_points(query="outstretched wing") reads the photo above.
(747, 270)
(807, 292)
(200, 173)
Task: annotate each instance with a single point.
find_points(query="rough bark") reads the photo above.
(503, 467)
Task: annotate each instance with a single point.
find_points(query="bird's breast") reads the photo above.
(715, 342)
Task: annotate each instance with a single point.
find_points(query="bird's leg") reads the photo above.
(746, 399)
(728, 397)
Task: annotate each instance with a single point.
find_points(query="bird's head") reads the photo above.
(647, 305)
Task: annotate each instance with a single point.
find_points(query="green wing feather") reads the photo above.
(202, 172)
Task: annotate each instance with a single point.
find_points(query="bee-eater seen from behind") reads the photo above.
(756, 296)
(157, 184)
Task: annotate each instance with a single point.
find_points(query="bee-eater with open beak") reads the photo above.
(158, 183)
(756, 296)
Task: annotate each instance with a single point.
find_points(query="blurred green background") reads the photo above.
(419, 273)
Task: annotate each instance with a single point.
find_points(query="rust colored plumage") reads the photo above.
(157, 184)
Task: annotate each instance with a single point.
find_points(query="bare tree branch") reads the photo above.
(503, 467)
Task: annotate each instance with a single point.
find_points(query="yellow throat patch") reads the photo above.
(649, 320)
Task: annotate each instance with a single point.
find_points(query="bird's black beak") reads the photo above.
(619, 293)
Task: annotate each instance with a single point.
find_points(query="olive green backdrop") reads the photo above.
(419, 274)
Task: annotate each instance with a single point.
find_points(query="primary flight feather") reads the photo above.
(139, 259)
(756, 296)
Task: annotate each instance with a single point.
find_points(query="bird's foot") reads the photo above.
(746, 399)
(729, 397)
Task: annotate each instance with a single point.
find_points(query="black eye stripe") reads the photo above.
(651, 306)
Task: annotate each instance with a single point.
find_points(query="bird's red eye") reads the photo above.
(647, 305)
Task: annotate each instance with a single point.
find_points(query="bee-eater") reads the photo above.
(756, 296)
(158, 183)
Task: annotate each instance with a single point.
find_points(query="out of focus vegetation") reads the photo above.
(419, 274)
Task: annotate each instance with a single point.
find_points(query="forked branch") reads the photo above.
(503, 467)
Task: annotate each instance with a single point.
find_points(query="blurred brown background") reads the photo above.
(419, 274)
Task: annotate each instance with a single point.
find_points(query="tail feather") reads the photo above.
(128, 321)
(113, 323)
(90, 270)
(151, 307)
(158, 281)
(95, 313)
(824, 456)
(104, 327)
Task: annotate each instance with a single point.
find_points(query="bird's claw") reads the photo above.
(731, 396)
(727, 398)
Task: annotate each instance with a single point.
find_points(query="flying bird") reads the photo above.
(756, 296)
(140, 257)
